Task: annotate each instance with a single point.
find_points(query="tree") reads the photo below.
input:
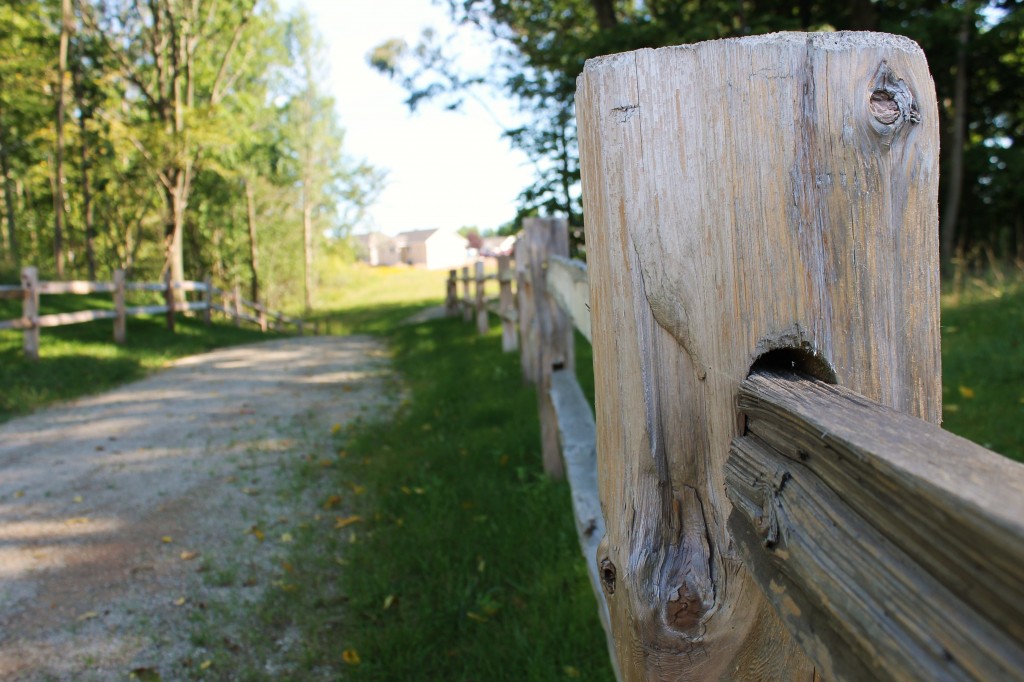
(541, 48)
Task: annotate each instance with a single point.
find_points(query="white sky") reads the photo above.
(445, 169)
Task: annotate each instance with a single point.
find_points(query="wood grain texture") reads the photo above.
(741, 196)
(568, 283)
(893, 550)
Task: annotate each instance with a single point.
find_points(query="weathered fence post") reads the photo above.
(774, 193)
(30, 311)
(451, 301)
(482, 324)
(120, 323)
(547, 342)
(169, 300)
(507, 305)
(236, 302)
(262, 317)
(467, 304)
(208, 300)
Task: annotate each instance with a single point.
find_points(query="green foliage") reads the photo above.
(177, 114)
(541, 47)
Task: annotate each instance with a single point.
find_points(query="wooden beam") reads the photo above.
(741, 196)
(547, 343)
(30, 311)
(893, 550)
(120, 323)
(507, 305)
(568, 283)
(78, 317)
(76, 287)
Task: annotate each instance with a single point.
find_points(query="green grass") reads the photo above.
(983, 366)
(465, 564)
(81, 359)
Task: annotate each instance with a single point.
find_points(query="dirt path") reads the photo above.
(115, 509)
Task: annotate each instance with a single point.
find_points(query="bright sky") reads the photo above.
(445, 169)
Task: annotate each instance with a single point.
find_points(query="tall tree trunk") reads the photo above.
(955, 181)
(250, 204)
(58, 171)
(87, 202)
(5, 170)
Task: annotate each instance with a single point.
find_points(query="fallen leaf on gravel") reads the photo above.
(286, 537)
(19, 493)
(350, 656)
(205, 664)
(188, 556)
(251, 491)
(88, 615)
(255, 532)
(145, 675)
(77, 499)
(167, 539)
(77, 521)
(336, 428)
(180, 601)
(358, 489)
(388, 601)
(332, 501)
(347, 521)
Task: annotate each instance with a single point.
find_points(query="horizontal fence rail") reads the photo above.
(32, 321)
(890, 548)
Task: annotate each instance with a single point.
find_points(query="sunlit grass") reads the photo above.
(983, 364)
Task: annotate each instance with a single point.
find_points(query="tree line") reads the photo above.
(188, 137)
(975, 50)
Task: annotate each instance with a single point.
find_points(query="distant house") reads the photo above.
(434, 249)
(377, 249)
(498, 246)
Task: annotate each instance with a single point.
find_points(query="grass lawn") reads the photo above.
(983, 366)
(456, 558)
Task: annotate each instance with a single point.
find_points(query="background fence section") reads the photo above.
(770, 496)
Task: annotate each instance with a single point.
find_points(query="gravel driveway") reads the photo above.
(115, 508)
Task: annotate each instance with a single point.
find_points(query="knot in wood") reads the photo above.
(685, 611)
(608, 575)
(891, 105)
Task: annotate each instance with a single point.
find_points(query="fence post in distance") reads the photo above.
(507, 305)
(120, 323)
(30, 311)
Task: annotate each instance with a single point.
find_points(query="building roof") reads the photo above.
(415, 236)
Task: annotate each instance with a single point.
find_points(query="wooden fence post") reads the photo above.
(30, 311)
(547, 342)
(482, 323)
(262, 317)
(169, 300)
(451, 301)
(467, 304)
(236, 301)
(120, 323)
(507, 306)
(208, 301)
(815, 236)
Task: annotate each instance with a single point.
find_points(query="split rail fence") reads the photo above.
(232, 304)
(766, 493)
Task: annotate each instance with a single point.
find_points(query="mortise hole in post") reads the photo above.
(800, 360)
